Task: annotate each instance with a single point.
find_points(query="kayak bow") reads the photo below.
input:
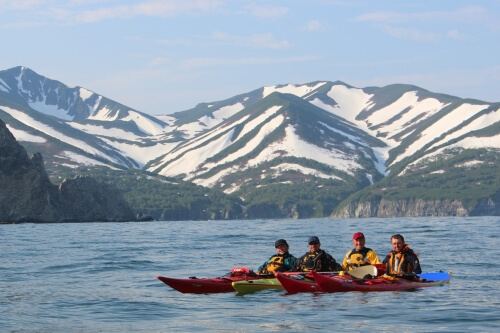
(194, 285)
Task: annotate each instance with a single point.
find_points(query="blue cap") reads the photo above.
(313, 239)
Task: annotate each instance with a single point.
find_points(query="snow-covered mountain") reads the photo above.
(284, 134)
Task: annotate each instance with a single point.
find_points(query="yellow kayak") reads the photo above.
(251, 286)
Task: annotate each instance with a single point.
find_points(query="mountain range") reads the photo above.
(296, 150)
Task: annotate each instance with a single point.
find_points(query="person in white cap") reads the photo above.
(360, 255)
(316, 259)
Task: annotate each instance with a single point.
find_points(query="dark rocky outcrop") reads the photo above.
(27, 195)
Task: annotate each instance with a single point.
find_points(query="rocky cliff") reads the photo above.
(26, 193)
(417, 208)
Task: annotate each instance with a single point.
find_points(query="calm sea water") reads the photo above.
(100, 277)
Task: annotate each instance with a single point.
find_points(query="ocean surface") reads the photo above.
(100, 277)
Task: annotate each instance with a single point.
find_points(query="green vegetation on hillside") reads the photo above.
(161, 197)
(464, 175)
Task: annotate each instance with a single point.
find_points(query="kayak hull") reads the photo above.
(297, 284)
(251, 286)
(345, 284)
(195, 285)
(306, 283)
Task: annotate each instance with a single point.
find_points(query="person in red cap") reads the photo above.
(360, 255)
(280, 262)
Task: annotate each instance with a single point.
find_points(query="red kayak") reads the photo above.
(223, 284)
(333, 284)
(307, 283)
(297, 283)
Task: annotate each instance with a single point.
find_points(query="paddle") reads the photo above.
(358, 272)
(362, 271)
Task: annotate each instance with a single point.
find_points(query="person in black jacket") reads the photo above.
(316, 259)
(401, 261)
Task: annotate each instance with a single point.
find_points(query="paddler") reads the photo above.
(283, 261)
(360, 255)
(316, 259)
(402, 261)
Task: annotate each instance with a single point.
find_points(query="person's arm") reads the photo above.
(373, 257)
(333, 265)
(415, 264)
(344, 262)
(386, 262)
(289, 263)
(296, 266)
(261, 267)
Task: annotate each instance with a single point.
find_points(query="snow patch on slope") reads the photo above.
(297, 90)
(268, 128)
(79, 159)
(427, 107)
(492, 142)
(293, 145)
(4, 86)
(146, 125)
(477, 124)
(51, 110)
(200, 141)
(207, 122)
(25, 136)
(350, 102)
(443, 125)
(193, 158)
(101, 131)
(304, 170)
(227, 111)
(85, 94)
(104, 114)
(27, 120)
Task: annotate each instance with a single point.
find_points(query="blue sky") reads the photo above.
(163, 56)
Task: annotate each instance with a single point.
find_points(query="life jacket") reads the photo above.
(275, 264)
(398, 263)
(357, 258)
(311, 260)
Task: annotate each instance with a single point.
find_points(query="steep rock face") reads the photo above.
(488, 206)
(85, 199)
(24, 185)
(402, 208)
(26, 193)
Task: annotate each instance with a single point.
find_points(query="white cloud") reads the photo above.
(267, 11)
(314, 25)
(158, 61)
(21, 4)
(413, 34)
(155, 8)
(263, 41)
(464, 15)
(213, 62)
(82, 12)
